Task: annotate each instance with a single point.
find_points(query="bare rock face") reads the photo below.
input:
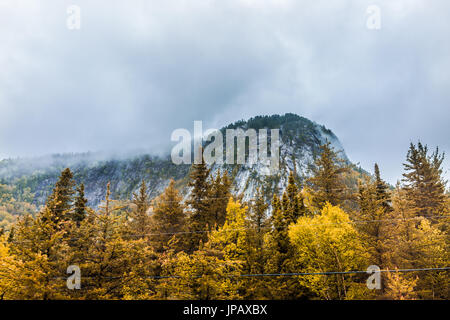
(300, 139)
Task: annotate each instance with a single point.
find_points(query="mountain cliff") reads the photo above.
(300, 139)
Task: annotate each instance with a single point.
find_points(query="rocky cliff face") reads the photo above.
(300, 139)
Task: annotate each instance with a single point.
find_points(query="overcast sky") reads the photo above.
(138, 69)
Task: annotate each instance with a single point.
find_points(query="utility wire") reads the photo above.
(292, 274)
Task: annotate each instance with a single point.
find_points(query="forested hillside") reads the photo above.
(317, 243)
(300, 142)
(38, 175)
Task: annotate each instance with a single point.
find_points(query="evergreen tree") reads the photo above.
(279, 234)
(141, 200)
(327, 180)
(293, 205)
(39, 257)
(374, 205)
(277, 242)
(285, 206)
(60, 201)
(219, 196)
(79, 212)
(259, 226)
(382, 190)
(168, 221)
(400, 231)
(414, 242)
(200, 219)
(258, 216)
(372, 226)
(280, 259)
(139, 219)
(423, 180)
(114, 266)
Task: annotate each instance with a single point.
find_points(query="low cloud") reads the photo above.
(137, 70)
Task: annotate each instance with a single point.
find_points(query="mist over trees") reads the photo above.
(306, 243)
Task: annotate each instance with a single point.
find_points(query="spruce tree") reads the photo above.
(382, 190)
(371, 214)
(79, 212)
(60, 201)
(414, 242)
(168, 221)
(374, 205)
(327, 181)
(280, 258)
(115, 265)
(423, 180)
(219, 197)
(40, 257)
(200, 218)
(139, 219)
(259, 226)
(285, 205)
(258, 216)
(279, 237)
(294, 207)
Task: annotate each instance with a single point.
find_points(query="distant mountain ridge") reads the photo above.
(300, 139)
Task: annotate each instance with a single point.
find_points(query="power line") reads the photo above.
(292, 274)
(339, 272)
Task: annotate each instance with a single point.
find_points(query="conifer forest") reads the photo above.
(313, 240)
(197, 159)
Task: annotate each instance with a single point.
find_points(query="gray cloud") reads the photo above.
(139, 69)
